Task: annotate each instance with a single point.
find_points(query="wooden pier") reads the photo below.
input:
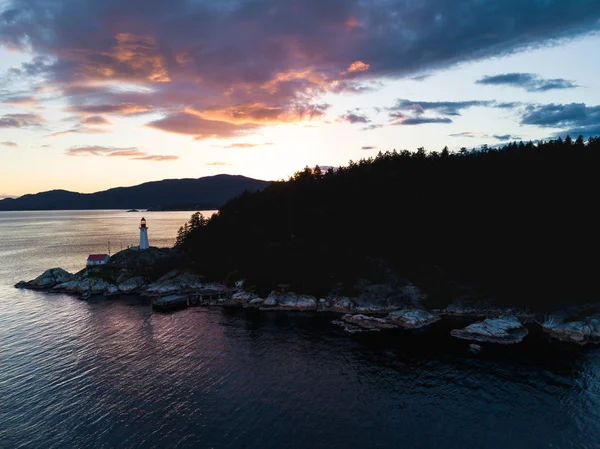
(190, 299)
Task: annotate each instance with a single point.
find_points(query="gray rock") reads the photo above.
(131, 284)
(412, 318)
(48, 279)
(505, 330)
(293, 301)
(368, 322)
(583, 331)
(269, 302)
(342, 304)
(175, 281)
(475, 349)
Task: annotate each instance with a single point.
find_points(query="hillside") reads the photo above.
(203, 193)
(517, 224)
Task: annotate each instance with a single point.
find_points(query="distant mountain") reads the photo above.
(210, 192)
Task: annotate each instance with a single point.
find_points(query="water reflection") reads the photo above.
(108, 373)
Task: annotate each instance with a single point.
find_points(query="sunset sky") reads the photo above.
(98, 94)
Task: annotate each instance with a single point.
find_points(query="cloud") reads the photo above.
(95, 120)
(9, 144)
(448, 108)
(132, 153)
(505, 137)
(372, 127)
(158, 158)
(116, 109)
(21, 120)
(527, 81)
(470, 134)
(23, 100)
(353, 118)
(217, 164)
(355, 67)
(368, 147)
(560, 115)
(422, 120)
(247, 145)
(190, 124)
(219, 59)
(573, 118)
(77, 130)
(409, 112)
(95, 150)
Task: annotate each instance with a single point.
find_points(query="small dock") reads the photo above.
(191, 299)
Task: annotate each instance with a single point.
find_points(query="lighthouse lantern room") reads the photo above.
(144, 235)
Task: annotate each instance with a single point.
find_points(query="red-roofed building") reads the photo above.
(97, 259)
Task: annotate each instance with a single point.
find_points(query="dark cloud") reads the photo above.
(527, 81)
(353, 118)
(448, 108)
(561, 115)
(9, 144)
(422, 120)
(368, 147)
(131, 153)
(21, 120)
(245, 62)
(574, 118)
(506, 137)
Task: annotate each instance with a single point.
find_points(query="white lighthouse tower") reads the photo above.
(144, 235)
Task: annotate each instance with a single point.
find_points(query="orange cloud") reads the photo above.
(156, 157)
(272, 86)
(95, 120)
(133, 56)
(194, 125)
(352, 23)
(355, 67)
(132, 153)
(247, 145)
(261, 114)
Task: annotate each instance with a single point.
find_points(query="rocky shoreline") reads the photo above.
(377, 308)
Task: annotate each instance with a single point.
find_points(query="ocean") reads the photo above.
(107, 373)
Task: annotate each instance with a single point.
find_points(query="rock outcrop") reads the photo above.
(176, 281)
(505, 330)
(406, 319)
(361, 323)
(47, 280)
(412, 318)
(586, 330)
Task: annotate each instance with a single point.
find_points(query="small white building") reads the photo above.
(97, 259)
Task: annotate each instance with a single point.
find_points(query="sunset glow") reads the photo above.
(264, 89)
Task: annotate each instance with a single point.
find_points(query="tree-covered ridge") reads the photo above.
(516, 223)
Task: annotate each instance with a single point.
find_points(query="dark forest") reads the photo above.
(517, 224)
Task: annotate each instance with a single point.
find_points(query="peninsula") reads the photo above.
(499, 234)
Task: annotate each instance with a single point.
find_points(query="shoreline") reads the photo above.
(354, 315)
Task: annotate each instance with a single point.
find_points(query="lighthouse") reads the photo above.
(144, 235)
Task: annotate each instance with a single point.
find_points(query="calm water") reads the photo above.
(110, 373)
